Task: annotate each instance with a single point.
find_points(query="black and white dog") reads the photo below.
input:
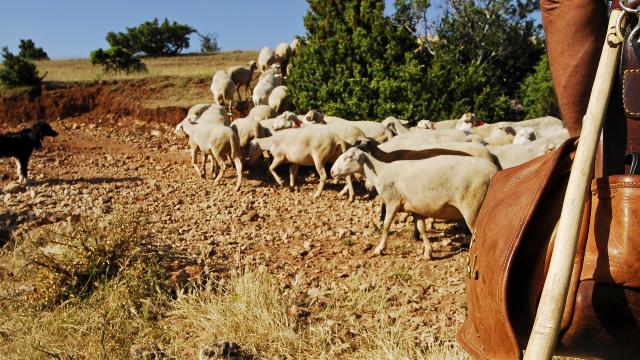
(20, 145)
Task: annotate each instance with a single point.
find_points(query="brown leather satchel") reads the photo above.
(510, 254)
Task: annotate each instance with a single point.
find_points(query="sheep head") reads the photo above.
(349, 163)
(426, 124)
(314, 116)
(524, 136)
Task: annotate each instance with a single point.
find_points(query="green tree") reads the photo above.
(483, 51)
(538, 96)
(153, 38)
(117, 59)
(209, 43)
(357, 63)
(17, 70)
(28, 50)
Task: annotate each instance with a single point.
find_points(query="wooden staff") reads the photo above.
(544, 334)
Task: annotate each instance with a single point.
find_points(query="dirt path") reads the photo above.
(315, 246)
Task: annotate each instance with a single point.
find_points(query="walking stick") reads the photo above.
(544, 334)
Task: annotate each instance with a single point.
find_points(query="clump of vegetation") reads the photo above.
(209, 43)
(18, 71)
(28, 50)
(538, 96)
(359, 63)
(117, 59)
(153, 38)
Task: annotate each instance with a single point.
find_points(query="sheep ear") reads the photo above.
(404, 122)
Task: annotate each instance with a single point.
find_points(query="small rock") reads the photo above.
(155, 133)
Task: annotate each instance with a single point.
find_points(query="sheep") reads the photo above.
(283, 53)
(396, 126)
(295, 45)
(262, 112)
(214, 114)
(248, 129)
(212, 139)
(222, 89)
(501, 135)
(196, 110)
(266, 57)
(279, 99)
(468, 121)
(286, 120)
(371, 129)
(515, 154)
(524, 136)
(445, 187)
(242, 76)
(273, 70)
(264, 88)
(426, 125)
(308, 146)
(436, 136)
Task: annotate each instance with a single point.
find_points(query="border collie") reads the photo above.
(20, 145)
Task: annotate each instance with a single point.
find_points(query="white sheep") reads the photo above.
(279, 99)
(443, 187)
(511, 155)
(262, 112)
(500, 135)
(196, 110)
(468, 121)
(426, 125)
(266, 57)
(273, 70)
(307, 146)
(295, 45)
(283, 53)
(242, 76)
(222, 89)
(524, 136)
(216, 140)
(215, 115)
(264, 88)
(371, 129)
(248, 129)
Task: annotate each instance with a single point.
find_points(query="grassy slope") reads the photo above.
(191, 66)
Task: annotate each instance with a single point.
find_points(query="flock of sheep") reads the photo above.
(434, 170)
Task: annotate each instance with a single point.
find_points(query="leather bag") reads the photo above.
(510, 254)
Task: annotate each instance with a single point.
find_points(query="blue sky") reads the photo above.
(72, 28)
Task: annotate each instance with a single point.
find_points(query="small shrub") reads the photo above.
(117, 59)
(209, 43)
(74, 262)
(28, 50)
(18, 71)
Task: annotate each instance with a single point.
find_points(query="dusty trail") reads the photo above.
(315, 246)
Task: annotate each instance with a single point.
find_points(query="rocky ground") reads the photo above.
(314, 246)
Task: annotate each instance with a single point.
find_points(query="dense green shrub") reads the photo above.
(359, 63)
(153, 38)
(356, 63)
(538, 96)
(28, 50)
(117, 59)
(18, 71)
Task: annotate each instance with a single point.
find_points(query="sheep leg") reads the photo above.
(204, 165)
(293, 172)
(392, 209)
(349, 187)
(272, 169)
(238, 163)
(221, 163)
(323, 176)
(423, 233)
(194, 154)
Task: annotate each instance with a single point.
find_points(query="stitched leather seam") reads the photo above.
(615, 186)
(624, 91)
